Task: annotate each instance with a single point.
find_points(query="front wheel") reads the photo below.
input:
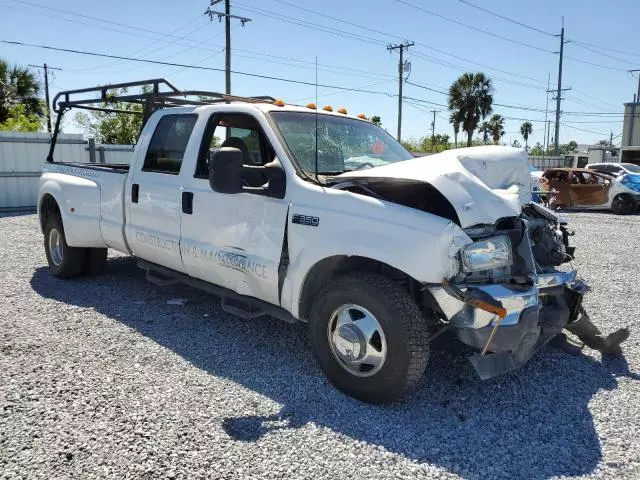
(624, 205)
(369, 337)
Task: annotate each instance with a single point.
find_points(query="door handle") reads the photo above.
(135, 190)
(187, 202)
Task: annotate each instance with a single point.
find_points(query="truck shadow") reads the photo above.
(534, 423)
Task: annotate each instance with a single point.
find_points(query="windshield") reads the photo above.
(344, 144)
(631, 167)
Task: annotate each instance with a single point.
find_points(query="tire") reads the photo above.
(95, 261)
(64, 261)
(401, 339)
(624, 205)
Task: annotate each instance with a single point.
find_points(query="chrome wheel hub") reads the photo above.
(357, 340)
(55, 247)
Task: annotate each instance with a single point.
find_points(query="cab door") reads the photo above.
(589, 189)
(154, 192)
(235, 240)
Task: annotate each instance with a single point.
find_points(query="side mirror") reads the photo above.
(225, 170)
(276, 179)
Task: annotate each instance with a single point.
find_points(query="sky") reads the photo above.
(350, 40)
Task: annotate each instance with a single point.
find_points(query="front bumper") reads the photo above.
(535, 314)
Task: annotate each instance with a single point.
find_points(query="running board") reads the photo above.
(240, 309)
(231, 302)
(159, 279)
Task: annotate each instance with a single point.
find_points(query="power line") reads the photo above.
(506, 18)
(583, 129)
(605, 48)
(97, 19)
(472, 27)
(581, 45)
(375, 41)
(102, 27)
(599, 65)
(314, 26)
(196, 67)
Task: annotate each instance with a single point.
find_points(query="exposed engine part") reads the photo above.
(549, 239)
(548, 246)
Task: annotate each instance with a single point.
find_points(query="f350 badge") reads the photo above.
(305, 220)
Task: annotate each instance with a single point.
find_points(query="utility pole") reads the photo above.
(559, 96)
(227, 25)
(433, 129)
(401, 47)
(632, 120)
(632, 72)
(548, 134)
(610, 139)
(46, 69)
(546, 115)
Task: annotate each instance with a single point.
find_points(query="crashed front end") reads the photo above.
(509, 298)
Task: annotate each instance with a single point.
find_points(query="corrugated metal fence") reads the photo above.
(542, 163)
(23, 154)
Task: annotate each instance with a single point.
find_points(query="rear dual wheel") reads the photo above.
(66, 261)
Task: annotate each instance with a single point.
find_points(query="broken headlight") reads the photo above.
(487, 254)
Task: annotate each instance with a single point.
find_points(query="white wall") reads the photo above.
(22, 155)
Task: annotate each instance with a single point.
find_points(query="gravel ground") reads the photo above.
(100, 378)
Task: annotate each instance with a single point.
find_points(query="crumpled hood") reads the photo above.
(482, 183)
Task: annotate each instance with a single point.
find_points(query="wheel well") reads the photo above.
(328, 268)
(48, 207)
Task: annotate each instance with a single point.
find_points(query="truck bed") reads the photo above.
(91, 199)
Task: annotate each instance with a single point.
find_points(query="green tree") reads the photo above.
(516, 144)
(470, 99)
(603, 142)
(376, 120)
(18, 86)
(573, 145)
(485, 130)
(496, 123)
(19, 121)
(455, 119)
(438, 143)
(113, 128)
(526, 129)
(537, 150)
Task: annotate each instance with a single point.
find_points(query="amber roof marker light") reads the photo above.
(279, 103)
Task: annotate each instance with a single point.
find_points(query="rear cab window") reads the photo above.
(169, 143)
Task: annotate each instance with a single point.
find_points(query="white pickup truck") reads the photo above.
(317, 216)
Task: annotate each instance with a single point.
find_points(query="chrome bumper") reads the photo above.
(515, 301)
(535, 314)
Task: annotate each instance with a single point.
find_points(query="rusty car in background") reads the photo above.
(584, 188)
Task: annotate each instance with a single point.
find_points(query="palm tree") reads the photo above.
(455, 120)
(526, 129)
(18, 85)
(485, 130)
(470, 99)
(496, 124)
